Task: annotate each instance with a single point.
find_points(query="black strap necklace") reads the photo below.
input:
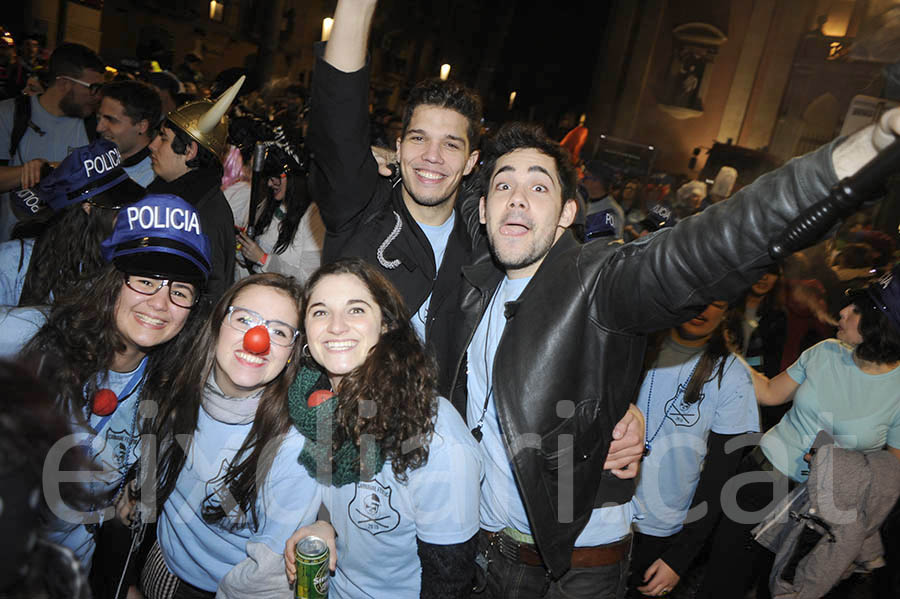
(489, 379)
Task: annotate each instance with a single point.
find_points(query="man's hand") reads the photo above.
(384, 158)
(659, 579)
(320, 529)
(627, 448)
(31, 172)
(864, 145)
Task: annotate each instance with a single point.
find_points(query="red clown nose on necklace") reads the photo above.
(256, 340)
(105, 402)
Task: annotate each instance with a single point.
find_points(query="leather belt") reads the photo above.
(582, 557)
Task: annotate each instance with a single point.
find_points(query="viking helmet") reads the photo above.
(205, 121)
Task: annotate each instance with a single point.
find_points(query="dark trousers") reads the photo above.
(110, 557)
(737, 562)
(645, 550)
(509, 579)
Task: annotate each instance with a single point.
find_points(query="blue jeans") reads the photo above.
(511, 579)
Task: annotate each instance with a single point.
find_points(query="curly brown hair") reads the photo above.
(179, 400)
(398, 377)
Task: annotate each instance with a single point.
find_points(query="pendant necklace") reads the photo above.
(648, 440)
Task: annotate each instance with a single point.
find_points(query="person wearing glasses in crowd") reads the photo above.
(104, 341)
(65, 218)
(54, 122)
(230, 489)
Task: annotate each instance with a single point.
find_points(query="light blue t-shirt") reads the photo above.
(15, 255)
(61, 134)
(678, 432)
(861, 411)
(378, 521)
(501, 504)
(18, 326)
(202, 553)
(438, 237)
(142, 172)
(114, 448)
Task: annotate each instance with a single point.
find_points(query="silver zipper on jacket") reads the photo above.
(390, 264)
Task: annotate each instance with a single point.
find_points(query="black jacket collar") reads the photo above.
(136, 158)
(192, 186)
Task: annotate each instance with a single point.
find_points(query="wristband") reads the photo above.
(264, 258)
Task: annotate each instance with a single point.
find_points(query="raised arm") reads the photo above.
(346, 47)
(343, 176)
(719, 253)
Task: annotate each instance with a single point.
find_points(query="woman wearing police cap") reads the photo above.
(846, 387)
(104, 339)
(289, 230)
(63, 220)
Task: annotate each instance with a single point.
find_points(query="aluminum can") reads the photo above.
(312, 569)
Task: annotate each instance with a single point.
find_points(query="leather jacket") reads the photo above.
(570, 356)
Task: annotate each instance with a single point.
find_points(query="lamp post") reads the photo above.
(445, 71)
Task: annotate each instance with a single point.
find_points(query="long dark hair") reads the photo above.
(714, 357)
(179, 400)
(398, 376)
(66, 253)
(296, 201)
(80, 340)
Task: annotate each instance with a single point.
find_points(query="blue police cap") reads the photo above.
(91, 173)
(160, 237)
(659, 217)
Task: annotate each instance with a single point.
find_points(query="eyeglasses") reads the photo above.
(181, 294)
(94, 88)
(280, 333)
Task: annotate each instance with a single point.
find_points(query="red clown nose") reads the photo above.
(256, 340)
(105, 402)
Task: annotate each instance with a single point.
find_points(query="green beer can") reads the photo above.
(312, 569)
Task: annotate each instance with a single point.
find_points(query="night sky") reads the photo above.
(547, 53)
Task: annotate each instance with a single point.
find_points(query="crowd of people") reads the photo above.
(472, 365)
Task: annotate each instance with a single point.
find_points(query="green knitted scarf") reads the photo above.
(344, 466)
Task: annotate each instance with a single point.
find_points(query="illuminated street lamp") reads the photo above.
(512, 99)
(327, 23)
(445, 71)
(215, 11)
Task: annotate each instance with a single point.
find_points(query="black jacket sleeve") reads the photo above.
(343, 173)
(670, 275)
(719, 467)
(448, 571)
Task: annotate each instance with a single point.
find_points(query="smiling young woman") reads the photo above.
(398, 468)
(105, 342)
(230, 490)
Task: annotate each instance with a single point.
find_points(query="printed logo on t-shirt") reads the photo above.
(371, 508)
(681, 412)
(215, 489)
(113, 456)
